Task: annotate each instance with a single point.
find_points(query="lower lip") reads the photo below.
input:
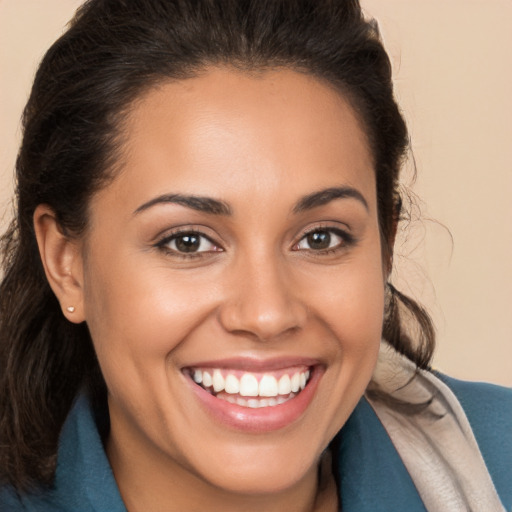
(263, 419)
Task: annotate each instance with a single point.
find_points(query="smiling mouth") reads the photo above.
(252, 389)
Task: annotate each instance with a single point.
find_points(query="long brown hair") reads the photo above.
(113, 51)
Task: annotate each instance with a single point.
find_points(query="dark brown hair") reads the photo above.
(112, 52)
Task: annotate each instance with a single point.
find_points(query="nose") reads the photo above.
(262, 301)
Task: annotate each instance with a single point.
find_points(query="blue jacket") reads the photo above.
(370, 474)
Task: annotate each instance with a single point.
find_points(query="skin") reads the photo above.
(259, 143)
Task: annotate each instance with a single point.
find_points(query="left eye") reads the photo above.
(190, 243)
(320, 240)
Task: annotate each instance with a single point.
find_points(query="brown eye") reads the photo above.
(323, 240)
(189, 243)
(319, 240)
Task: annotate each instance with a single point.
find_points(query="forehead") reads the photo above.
(276, 133)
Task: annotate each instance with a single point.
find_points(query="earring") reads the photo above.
(71, 309)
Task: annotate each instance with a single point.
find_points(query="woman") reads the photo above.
(195, 284)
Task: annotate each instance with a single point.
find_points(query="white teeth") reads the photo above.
(207, 380)
(218, 381)
(285, 385)
(253, 403)
(232, 385)
(268, 386)
(296, 382)
(249, 385)
(302, 380)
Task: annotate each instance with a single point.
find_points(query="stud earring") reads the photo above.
(71, 309)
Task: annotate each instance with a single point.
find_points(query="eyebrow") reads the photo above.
(199, 203)
(327, 195)
(217, 207)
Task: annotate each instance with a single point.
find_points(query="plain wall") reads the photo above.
(453, 77)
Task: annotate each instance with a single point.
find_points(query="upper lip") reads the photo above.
(250, 364)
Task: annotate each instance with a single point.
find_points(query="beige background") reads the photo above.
(454, 81)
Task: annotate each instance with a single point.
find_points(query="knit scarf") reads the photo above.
(432, 435)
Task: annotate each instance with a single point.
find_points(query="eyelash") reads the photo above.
(164, 243)
(347, 240)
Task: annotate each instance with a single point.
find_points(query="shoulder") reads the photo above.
(482, 397)
(371, 474)
(9, 500)
(84, 480)
(489, 410)
(14, 502)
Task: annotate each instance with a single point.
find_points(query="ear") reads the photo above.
(62, 262)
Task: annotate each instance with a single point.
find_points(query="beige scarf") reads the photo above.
(435, 441)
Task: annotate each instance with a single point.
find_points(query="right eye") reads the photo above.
(188, 243)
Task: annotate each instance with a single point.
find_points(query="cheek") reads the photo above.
(356, 320)
(351, 302)
(138, 313)
(352, 316)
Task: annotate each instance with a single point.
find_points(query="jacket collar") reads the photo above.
(84, 479)
(370, 473)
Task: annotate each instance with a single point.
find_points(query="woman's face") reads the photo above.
(235, 258)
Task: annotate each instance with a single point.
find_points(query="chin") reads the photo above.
(263, 477)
